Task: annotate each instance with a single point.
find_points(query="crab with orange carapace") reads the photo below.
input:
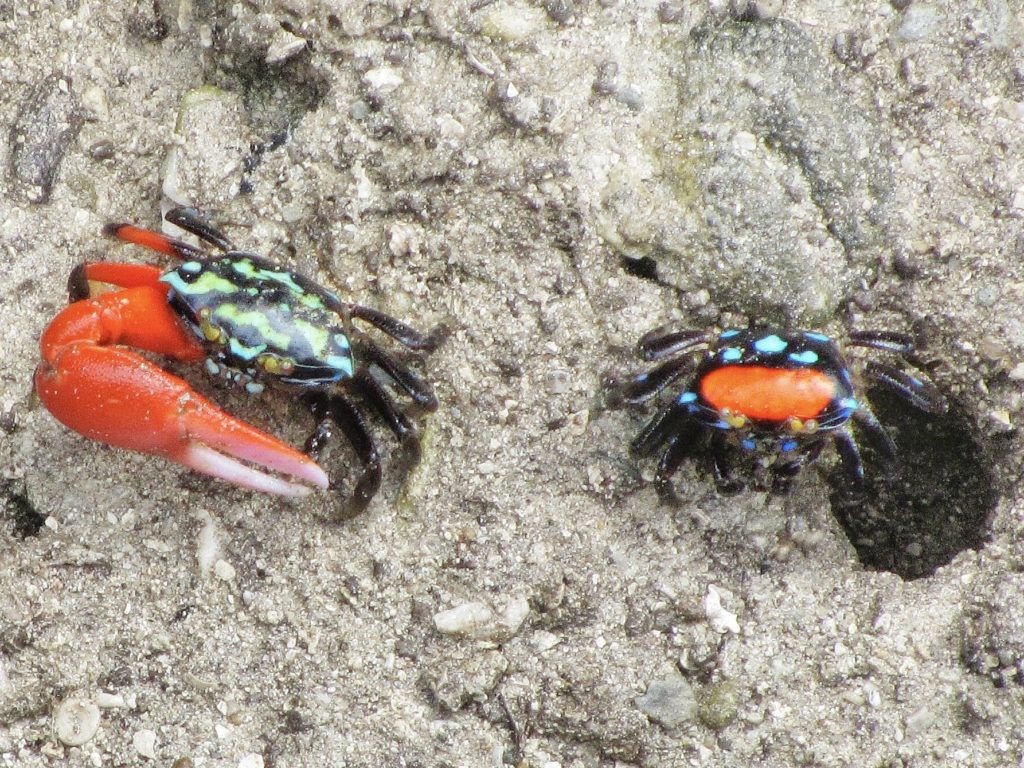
(254, 324)
(776, 394)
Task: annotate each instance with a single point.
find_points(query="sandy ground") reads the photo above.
(550, 179)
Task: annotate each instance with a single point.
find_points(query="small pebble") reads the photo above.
(76, 720)
(283, 46)
(480, 621)
(383, 79)
(252, 760)
(920, 21)
(630, 97)
(224, 570)
(557, 381)
(1002, 419)
(542, 641)
(208, 551)
(671, 12)
(8, 421)
(94, 99)
(110, 700)
(463, 619)
(669, 701)
(144, 742)
(560, 10)
(721, 620)
(919, 720)
(403, 239)
(872, 697)
(719, 705)
(102, 149)
(513, 24)
(987, 295)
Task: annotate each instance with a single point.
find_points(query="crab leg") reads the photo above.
(111, 394)
(156, 241)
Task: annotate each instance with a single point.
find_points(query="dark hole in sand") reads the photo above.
(645, 267)
(935, 501)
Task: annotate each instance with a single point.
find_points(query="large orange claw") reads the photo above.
(111, 394)
(117, 397)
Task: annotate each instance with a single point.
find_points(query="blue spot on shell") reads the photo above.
(245, 353)
(343, 364)
(728, 334)
(731, 354)
(747, 444)
(342, 341)
(788, 446)
(821, 338)
(807, 357)
(770, 344)
(686, 398)
(191, 267)
(174, 280)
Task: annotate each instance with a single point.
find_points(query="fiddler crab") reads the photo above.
(255, 324)
(777, 395)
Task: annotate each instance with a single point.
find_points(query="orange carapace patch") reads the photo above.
(768, 394)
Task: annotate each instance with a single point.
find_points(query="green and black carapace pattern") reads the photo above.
(261, 321)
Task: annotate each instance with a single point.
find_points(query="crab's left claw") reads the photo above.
(115, 396)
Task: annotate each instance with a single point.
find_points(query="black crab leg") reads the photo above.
(849, 456)
(873, 428)
(406, 380)
(337, 409)
(661, 343)
(720, 455)
(398, 330)
(156, 241)
(384, 405)
(921, 394)
(680, 439)
(901, 344)
(785, 471)
(646, 385)
(656, 431)
(670, 462)
(190, 220)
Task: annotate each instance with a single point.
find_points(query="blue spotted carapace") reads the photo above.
(261, 321)
(254, 323)
(774, 393)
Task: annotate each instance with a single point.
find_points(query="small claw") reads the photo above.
(117, 397)
(208, 424)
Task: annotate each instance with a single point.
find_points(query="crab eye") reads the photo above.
(276, 365)
(734, 420)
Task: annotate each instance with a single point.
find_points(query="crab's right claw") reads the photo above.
(112, 395)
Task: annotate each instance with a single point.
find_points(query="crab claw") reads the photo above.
(110, 394)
